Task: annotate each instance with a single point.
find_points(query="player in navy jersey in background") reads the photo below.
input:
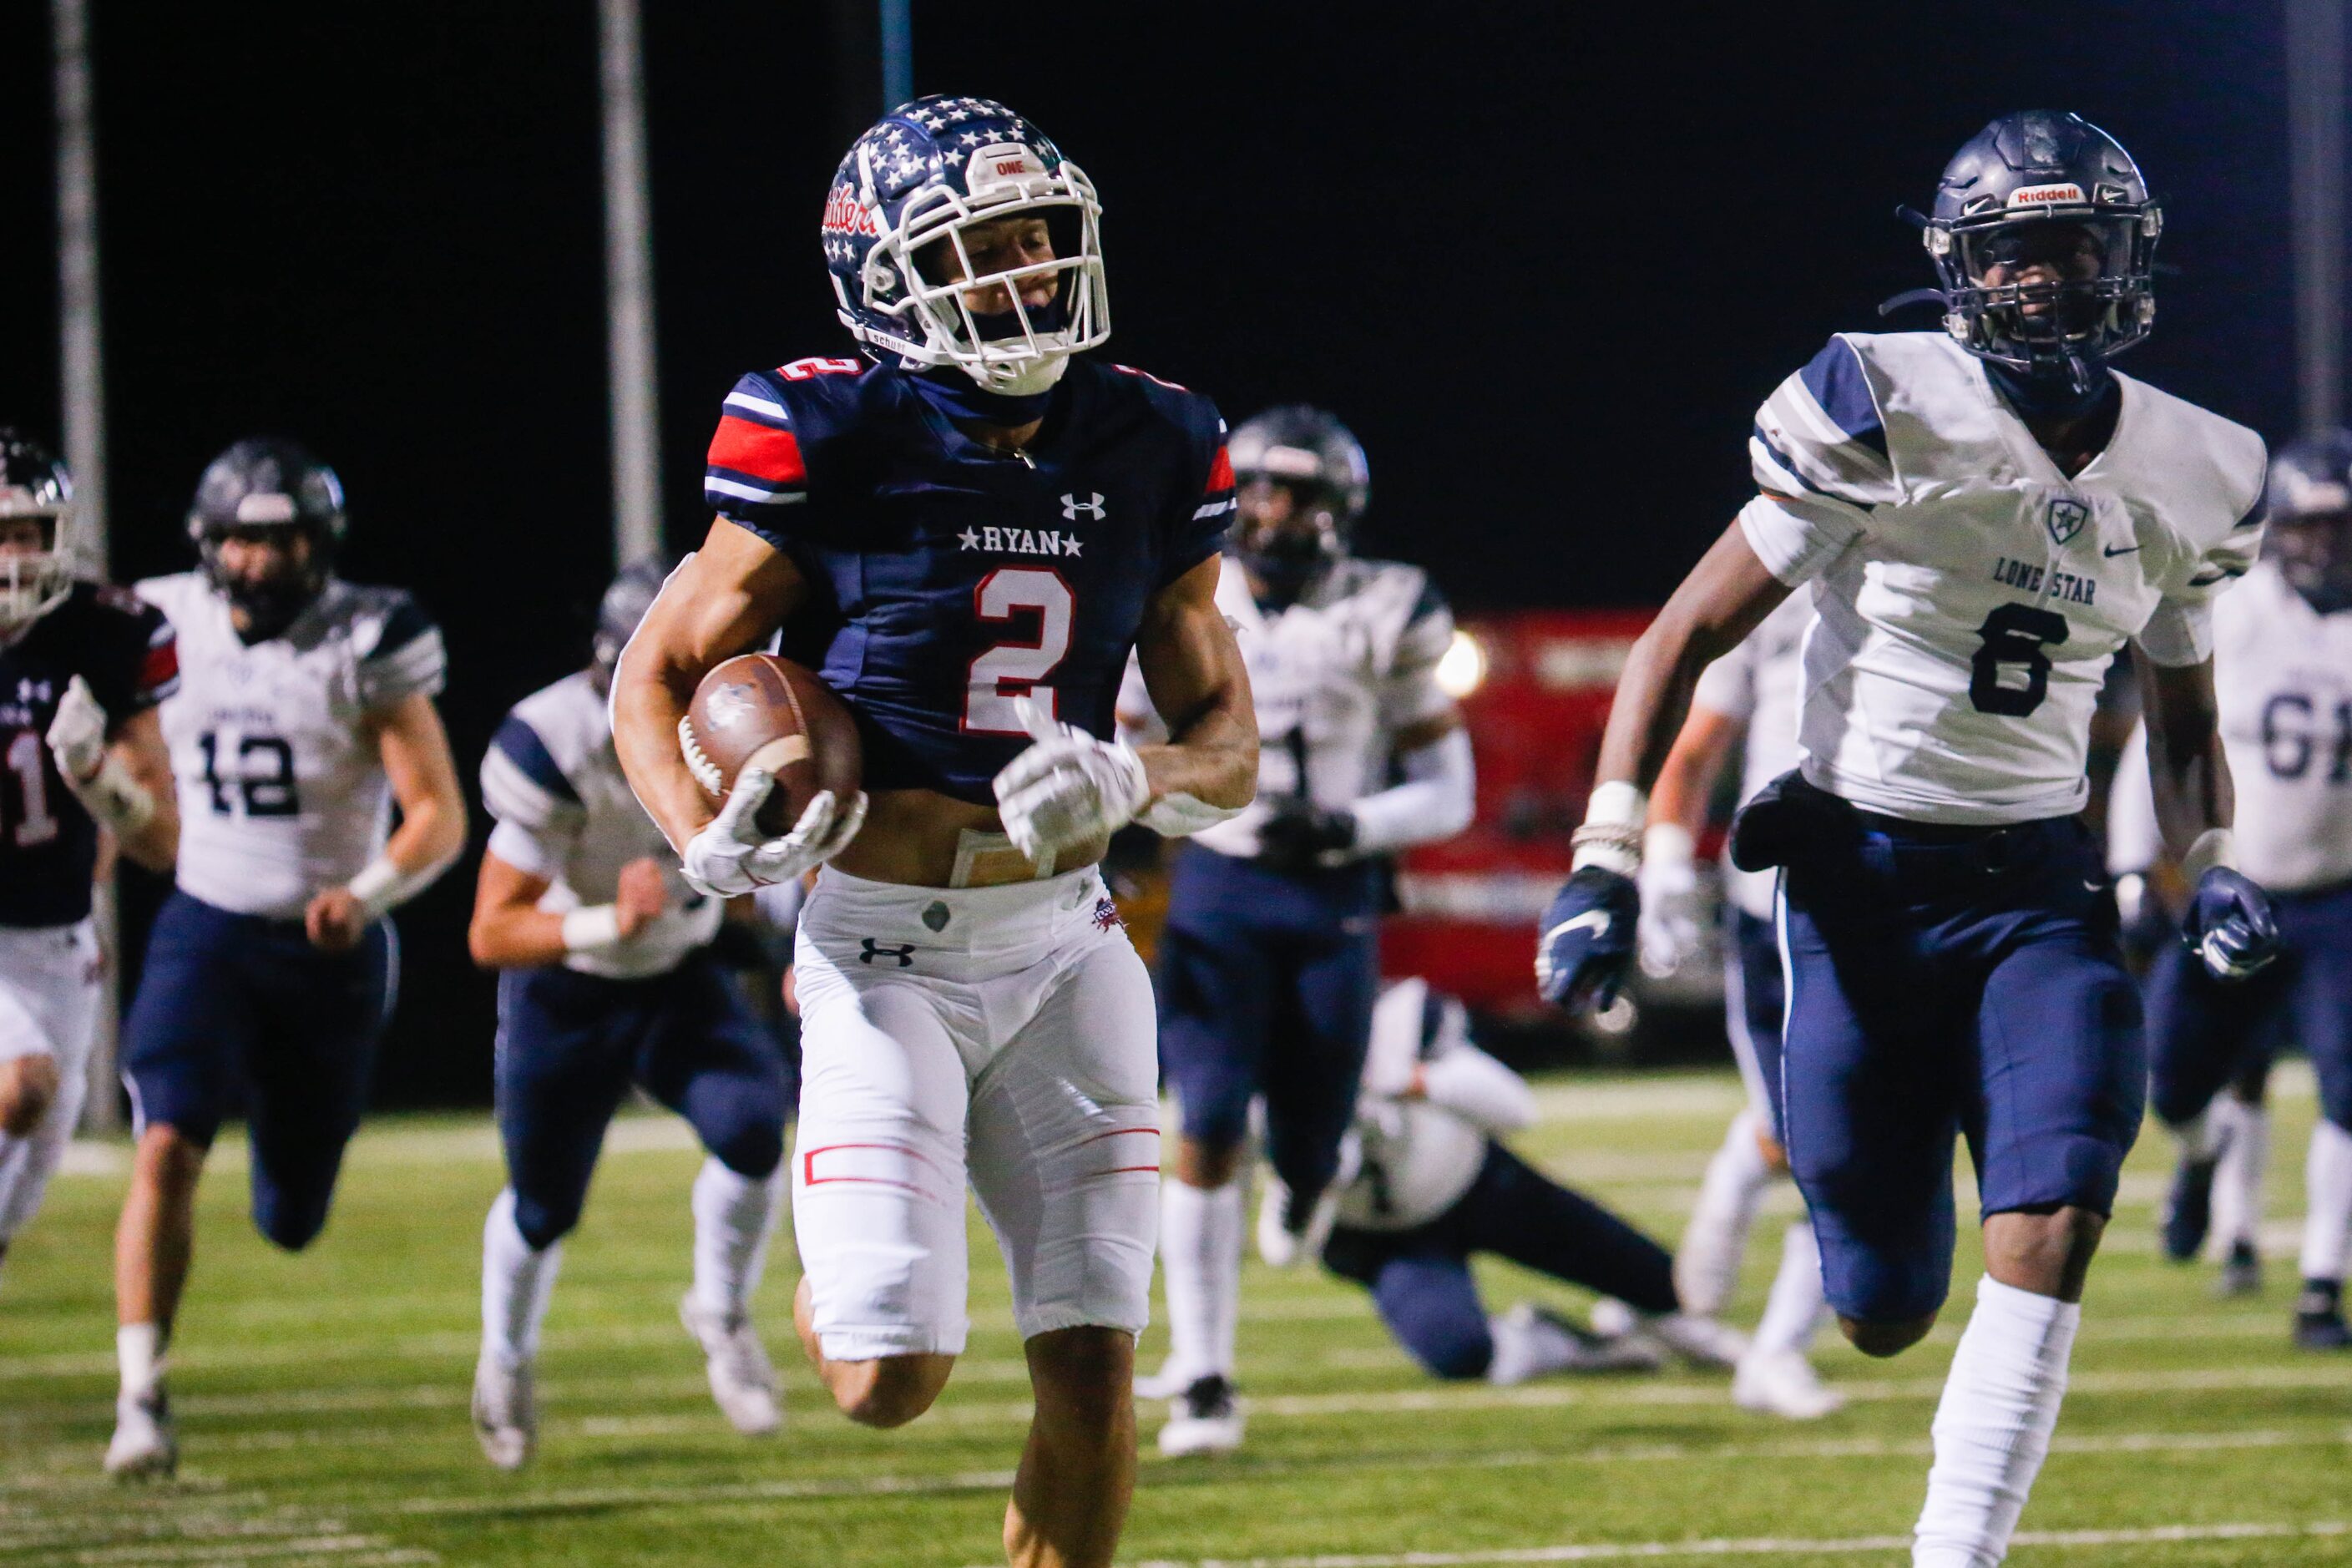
(974, 531)
(81, 670)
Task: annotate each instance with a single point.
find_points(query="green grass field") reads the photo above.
(322, 1403)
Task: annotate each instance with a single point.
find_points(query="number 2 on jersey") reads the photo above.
(268, 792)
(1004, 593)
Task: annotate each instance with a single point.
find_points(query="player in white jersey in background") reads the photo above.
(304, 714)
(81, 670)
(2282, 653)
(1270, 961)
(1436, 1187)
(1747, 699)
(608, 983)
(1988, 516)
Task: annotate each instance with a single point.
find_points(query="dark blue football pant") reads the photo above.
(570, 1045)
(1420, 1282)
(1265, 985)
(1948, 981)
(237, 1011)
(2202, 1031)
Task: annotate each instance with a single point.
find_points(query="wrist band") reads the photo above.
(113, 796)
(382, 886)
(1610, 837)
(592, 928)
(1668, 845)
(2214, 846)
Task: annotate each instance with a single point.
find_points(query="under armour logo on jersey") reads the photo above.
(1091, 509)
(868, 950)
(2065, 519)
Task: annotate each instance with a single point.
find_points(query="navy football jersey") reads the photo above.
(949, 578)
(49, 846)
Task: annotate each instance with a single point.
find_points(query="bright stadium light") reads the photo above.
(1462, 668)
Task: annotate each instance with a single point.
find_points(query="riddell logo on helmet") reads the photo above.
(845, 214)
(2045, 196)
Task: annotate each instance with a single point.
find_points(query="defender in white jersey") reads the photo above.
(1747, 699)
(1270, 960)
(81, 670)
(1988, 517)
(304, 714)
(2283, 652)
(607, 982)
(1436, 1188)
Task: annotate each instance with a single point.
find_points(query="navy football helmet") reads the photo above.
(1303, 484)
(2311, 519)
(268, 483)
(2050, 193)
(625, 605)
(898, 222)
(34, 484)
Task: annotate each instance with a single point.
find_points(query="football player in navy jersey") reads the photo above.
(971, 533)
(81, 670)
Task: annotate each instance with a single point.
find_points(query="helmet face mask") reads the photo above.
(2044, 237)
(913, 241)
(38, 564)
(1303, 484)
(268, 521)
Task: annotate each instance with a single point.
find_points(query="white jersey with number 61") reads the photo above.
(1971, 596)
(282, 791)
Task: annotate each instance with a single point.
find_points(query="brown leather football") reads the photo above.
(757, 708)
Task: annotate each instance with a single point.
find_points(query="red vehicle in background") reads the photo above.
(1535, 687)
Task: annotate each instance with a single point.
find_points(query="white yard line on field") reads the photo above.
(335, 1548)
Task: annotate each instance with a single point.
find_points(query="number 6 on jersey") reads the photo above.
(1007, 592)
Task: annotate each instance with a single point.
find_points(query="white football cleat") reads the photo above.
(1170, 1381)
(1287, 1236)
(506, 1412)
(1714, 1240)
(1531, 1342)
(1204, 1419)
(1782, 1383)
(742, 1378)
(1697, 1342)
(144, 1447)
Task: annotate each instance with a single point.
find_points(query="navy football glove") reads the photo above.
(1299, 836)
(1588, 940)
(2231, 924)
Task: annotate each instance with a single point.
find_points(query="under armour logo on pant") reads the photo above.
(869, 950)
(1091, 508)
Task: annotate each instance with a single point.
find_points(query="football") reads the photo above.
(757, 709)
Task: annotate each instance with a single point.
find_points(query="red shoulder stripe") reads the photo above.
(760, 450)
(161, 666)
(1220, 473)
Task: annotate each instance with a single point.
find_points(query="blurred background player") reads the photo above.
(1436, 1187)
(1270, 960)
(304, 715)
(977, 528)
(2282, 656)
(609, 980)
(1746, 699)
(1982, 551)
(81, 668)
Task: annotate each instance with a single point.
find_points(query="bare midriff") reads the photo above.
(912, 835)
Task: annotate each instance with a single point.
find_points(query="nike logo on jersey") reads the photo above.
(2110, 552)
(1020, 541)
(2028, 577)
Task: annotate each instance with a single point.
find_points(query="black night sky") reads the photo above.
(1544, 259)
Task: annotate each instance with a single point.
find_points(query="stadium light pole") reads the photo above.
(82, 382)
(898, 53)
(629, 288)
(2316, 115)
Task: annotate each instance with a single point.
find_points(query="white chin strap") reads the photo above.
(1027, 382)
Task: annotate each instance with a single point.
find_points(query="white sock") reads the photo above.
(2238, 1179)
(1201, 1252)
(1714, 1241)
(2327, 1202)
(26, 1163)
(139, 1351)
(734, 1215)
(1798, 1303)
(516, 1281)
(1528, 1346)
(1992, 1428)
(2201, 1137)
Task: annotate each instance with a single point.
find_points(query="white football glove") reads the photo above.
(1669, 929)
(731, 855)
(1067, 789)
(77, 734)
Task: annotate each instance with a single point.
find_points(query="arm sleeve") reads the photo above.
(1818, 451)
(1465, 1080)
(1198, 530)
(523, 785)
(755, 474)
(1409, 692)
(1437, 799)
(408, 658)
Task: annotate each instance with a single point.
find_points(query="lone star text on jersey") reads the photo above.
(2063, 586)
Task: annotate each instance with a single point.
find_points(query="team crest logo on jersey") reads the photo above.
(2065, 519)
(1107, 917)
